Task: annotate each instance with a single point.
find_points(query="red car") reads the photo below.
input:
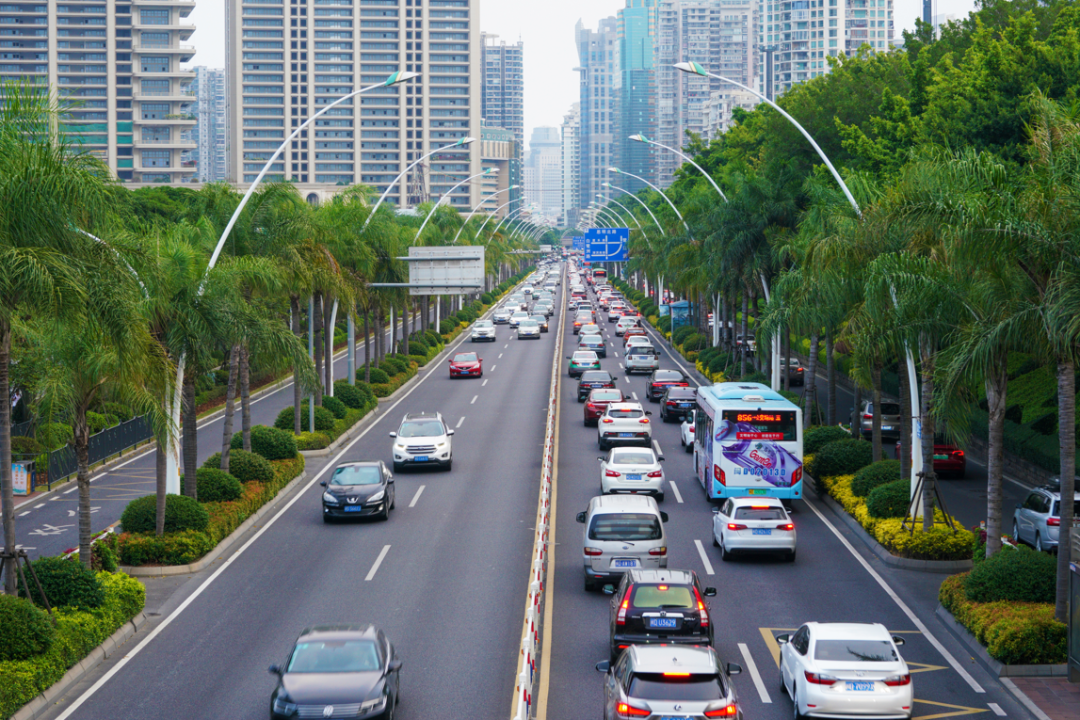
(630, 332)
(598, 401)
(662, 379)
(949, 460)
(466, 365)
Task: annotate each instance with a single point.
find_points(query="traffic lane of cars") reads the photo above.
(447, 591)
(759, 597)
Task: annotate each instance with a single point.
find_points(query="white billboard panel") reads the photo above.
(446, 270)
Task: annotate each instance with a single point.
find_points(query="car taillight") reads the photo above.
(799, 370)
(1053, 521)
(736, 526)
(620, 619)
(867, 417)
(898, 680)
(691, 428)
(593, 552)
(671, 403)
(786, 526)
(608, 420)
(818, 678)
(702, 610)
(796, 477)
(625, 710)
(655, 474)
(726, 711)
(658, 551)
(643, 420)
(958, 453)
(719, 475)
(611, 473)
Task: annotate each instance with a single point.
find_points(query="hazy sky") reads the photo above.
(546, 26)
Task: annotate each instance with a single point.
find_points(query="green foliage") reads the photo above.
(817, 437)
(181, 513)
(335, 406)
(25, 630)
(97, 422)
(433, 338)
(246, 466)
(348, 394)
(378, 377)
(66, 584)
(392, 366)
(1020, 575)
(312, 441)
(695, 341)
(22, 445)
(664, 324)
(446, 327)
(271, 443)
(873, 475)
(122, 412)
(54, 435)
(284, 420)
(681, 333)
(840, 457)
(890, 500)
(216, 485)
(418, 347)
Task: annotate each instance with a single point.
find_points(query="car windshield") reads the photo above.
(855, 650)
(465, 357)
(759, 513)
(633, 457)
(668, 375)
(595, 375)
(421, 428)
(529, 322)
(335, 656)
(357, 475)
(686, 688)
(625, 413)
(625, 526)
(585, 356)
(663, 596)
(606, 396)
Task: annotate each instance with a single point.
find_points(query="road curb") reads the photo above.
(995, 667)
(43, 702)
(345, 436)
(222, 547)
(948, 567)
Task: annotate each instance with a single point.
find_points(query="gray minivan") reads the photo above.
(622, 532)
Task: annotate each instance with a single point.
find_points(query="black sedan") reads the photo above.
(677, 402)
(591, 380)
(594, 343)
(541, 320)
(358, 489)
(662, 379)
(337, 671)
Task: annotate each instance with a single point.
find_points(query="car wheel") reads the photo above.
(659, 497)
(690, 447)
(327, 519)
(600, 442)
(385, 514)
(783, 685)
(393, 501)
(449, 465)
(790, 557)
(398, 467)
(1038, 543)
(1015, 534)
(724, 554)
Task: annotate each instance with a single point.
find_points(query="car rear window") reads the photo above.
(583, 357)
(1056, 511)
(634, 457)
(762, 513)
(595, 375)
(606, 395)
(855, 650)
(677, 393)
(890, 409)
(663, 596)
(625, 526)
(685, 688)
(642, 350)
(626, 413)
(668, 375)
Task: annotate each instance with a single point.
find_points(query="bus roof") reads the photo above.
(740, 392)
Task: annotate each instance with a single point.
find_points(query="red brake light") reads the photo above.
(760, 507)
(625, 710)
(643, 420)
(819, 678)
(958, 453)
(655, 474)
(671, 402)
(736, 526)
(611, 473)
(796, 477)
(1053, 521)
(719, 475)
(898, 680)
(867, 417)
(620, 619)
(608, 420)
(593, 552)
(658, 551)
(661, 587)
(787, 526)
(702, 610)
(691, 428)
(726, 711)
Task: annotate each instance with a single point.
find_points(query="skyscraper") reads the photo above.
(503, 83)
(634, 88)
(544, 171)
(287, 59)
(119, 68)
(209, 133)
(571, 165)
(596, 65)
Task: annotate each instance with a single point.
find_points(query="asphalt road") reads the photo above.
(445, 577)
(834, 579)
(50, 526)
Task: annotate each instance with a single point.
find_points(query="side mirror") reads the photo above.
(580, 517)
(323, 483)
(734, 668)
(389, 478)
(394, 665)
(603, 666)
(659, 354)
(710, 592)
(608, 589)
(897, 640)
(716, 511)
(648, 412)
(600, 458)
(449, 432)
(663, 516)
(393, 434)
(568, 357)
(783, 639)
(274, 670)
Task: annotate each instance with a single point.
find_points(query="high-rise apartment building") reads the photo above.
(806, 32)
(597, 68)
(117, 65)
(209, 133)
(634, 88)
(499, 152)
(719, 34)
(544, 171)
(503, 83)
(288, 59)
(571, 165)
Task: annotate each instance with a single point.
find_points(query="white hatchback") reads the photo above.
(624, 424)
(845, 670)
(753, 524)
(625, 322)
(686, 433)
(632, 471)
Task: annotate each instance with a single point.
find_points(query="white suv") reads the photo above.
(624, 424)
(423, 439)
(641, 357)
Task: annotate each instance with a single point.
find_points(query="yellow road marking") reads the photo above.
(958, 710)
(915, 667)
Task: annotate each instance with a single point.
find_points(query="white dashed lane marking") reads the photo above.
(378, 561)
(416, 497)
(704, 557)
(483, 383)
(675, 490)
(460, 421)
(473, 399)
(997, 709)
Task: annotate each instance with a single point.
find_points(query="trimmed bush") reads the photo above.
(817, 437)
(664, 324)
(335, 406)
(22, 445)
(365, 392)
(418, 347)
(270, 442)
(284, 420)
(216, 485)
(697, 341)
(312, 441)
(181, 513)
(681, 333)
(98, 422)
(25, 630)
(447, 326)
(487, 298)
(1020, 575)
(246, 466)
(392, 366)
(840, 457)
(348, 394)
(890, 500)
(122, 412)
(66, 584)
(433, 338)
(378, 377)
(873, 475)
(54, 435)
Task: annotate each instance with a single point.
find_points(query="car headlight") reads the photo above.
(400, 446)
(330, 498)
(377, 496)
(283, 706)
(376, 705)
(442, 444)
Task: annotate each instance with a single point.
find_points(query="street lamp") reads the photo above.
(641, 202)
(617, 171)
(480, 205)
(446, 196)
(616, 202)
(493, 214)
(642, 139)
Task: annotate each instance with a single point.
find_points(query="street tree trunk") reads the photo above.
(230, 396)
(191, 440)
(318, 347)
(81, 440)
(367, 346)
(875, 376)
(785, 352)
(905, 421)
(161, 467)
(810, 396)
(1067, 446)
(830, 374)
(405, 317)
(7, 489)
(745, 333)
(294, 301)
(996, 392)
(926, 415)
(328, 340)
(245, 396)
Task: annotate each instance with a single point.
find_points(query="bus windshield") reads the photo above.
(763, 425)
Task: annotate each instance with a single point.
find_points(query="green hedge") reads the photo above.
(1020, 575)
(25, 629)
(181, 513)
(312, 441)
(244, 466)
(875, 474)
(840, 457)
(66, 584)
(890, 500)
(378, 377)
(817, 437)
(77, 633)
(335, 406)
(351, 395)
(270, 442)
(214, 485)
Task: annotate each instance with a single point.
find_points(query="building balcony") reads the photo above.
(182, 74)
(186, 6)
(177, 95)
(184, 30)
(163, 144)
(176, 119)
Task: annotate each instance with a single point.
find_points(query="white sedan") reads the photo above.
(528, 328)
(517, 317)
(624, 424)
(686, 434)
(845, 670)
(502, 315)
(753, 524)
(632, 471)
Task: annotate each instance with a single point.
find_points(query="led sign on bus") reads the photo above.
(762, 425)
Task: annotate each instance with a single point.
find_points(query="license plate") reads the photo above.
(663, 623)
(886, 427)
(762, 531)
(633, 477)
(756, 492)
(353, 508)
(859, 686)
(420, 458)
(626, 434)
(625, 563)
(684, 405)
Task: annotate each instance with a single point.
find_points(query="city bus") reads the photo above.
(748, 441)
(599, 275)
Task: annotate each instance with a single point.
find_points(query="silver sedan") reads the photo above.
(632, 471)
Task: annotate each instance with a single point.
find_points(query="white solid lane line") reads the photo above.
(997, 709)
(460, 421)
(378, 562)
(675, 489)
(71, 490)
(473, 399)
(483, 383)
(27, 512)
(704, 557)
(416, 497)
(754, 674)
(900, 603)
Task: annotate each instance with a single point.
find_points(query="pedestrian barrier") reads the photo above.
(108, 442)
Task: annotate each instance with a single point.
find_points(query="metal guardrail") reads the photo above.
(108, 442)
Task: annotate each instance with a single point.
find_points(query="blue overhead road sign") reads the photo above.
(607, 244)
(579, 244)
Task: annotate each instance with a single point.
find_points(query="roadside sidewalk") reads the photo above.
(1055, 697)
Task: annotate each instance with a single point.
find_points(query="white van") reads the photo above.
(622, 532)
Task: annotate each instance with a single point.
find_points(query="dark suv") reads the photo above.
(592, 380)
(661, 379)
(677, 402)
(659, 606)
